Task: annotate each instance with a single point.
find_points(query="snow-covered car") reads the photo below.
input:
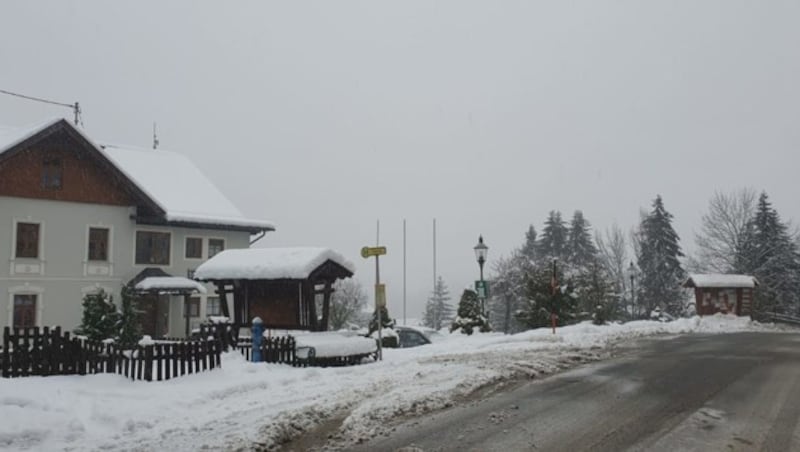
(410, 336)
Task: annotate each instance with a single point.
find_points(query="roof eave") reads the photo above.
(161, 221)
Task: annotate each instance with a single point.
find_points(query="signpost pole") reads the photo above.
(378, 307)
(380, 292)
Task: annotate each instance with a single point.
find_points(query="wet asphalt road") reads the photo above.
(731, 392)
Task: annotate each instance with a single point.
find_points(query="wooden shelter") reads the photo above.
(288, 288)
(727, 294)
(154, 289)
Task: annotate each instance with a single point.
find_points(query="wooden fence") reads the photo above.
(278, 349)
(35, 351)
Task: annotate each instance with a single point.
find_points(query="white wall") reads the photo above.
(62, 273)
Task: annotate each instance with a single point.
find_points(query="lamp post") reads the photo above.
(632, 273)
(481, 250)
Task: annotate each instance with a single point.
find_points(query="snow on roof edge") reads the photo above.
(713, 280)
(269, 263)
(26, 132)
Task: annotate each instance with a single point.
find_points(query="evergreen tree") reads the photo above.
(386, 320)
(547, 295)
(597, 297)
(581, 249)
(552, 243)
(771, 255)
(529, 247)
(100, 317)
(661, 271)
(438, 311)
(128, 327)
(469, 316)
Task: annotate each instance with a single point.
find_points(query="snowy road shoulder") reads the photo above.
(245, 404)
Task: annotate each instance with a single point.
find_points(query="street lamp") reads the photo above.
(481, 250)
(632, 273)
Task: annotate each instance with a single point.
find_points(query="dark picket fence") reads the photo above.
(42, 352)
(279, 350)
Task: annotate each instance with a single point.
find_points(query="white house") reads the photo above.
(77, 216)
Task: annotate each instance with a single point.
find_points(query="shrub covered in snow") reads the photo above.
(469, 316)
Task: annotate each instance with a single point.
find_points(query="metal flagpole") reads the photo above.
(405, 322)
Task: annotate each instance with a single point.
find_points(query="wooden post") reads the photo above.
(6, 355)
(326, 302)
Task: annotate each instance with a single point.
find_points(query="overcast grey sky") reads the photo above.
(325, 116)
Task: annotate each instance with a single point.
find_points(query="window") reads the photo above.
(194, 248)
(213, 306)
(28, 240)
(191, 308)
(152, 248)
(24, 311)
(215, 246)
(52, 173)
(98, 244)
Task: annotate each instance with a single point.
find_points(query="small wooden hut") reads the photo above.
(288, 288)
(727, 294)
(154, 290)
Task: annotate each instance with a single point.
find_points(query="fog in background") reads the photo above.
(326, 116)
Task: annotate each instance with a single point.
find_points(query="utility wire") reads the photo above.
(75, 107)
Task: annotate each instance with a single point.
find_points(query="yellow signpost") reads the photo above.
(369, 251)
(380, 289)
(380, 296)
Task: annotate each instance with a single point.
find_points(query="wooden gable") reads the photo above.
(82, 173)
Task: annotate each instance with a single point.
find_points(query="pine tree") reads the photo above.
(128, 327)
(438, 311)
(100, 317)
(552, 243)
(469, 316)
(529, 247)
(581, 249)
(545, 298)
(597, 297)
(661, 271)
(386, 320)
(771, 254)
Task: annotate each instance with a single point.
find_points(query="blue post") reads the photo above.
(258, 336)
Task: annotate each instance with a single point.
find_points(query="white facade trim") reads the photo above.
(26, 289)
(100, 268)
(27, 266)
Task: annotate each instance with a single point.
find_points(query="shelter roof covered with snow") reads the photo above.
(169, 284)
(269, 263)
(191, 201)
(720, 281)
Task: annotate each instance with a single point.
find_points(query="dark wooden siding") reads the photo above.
(84, 179)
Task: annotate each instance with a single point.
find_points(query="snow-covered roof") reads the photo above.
(269, 263)
(11, 136)
(721, 281)
(169, 284)
(192, 198)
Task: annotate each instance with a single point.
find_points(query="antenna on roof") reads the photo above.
(155, 137)
(76, 107)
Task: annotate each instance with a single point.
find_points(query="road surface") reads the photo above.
(725, 392)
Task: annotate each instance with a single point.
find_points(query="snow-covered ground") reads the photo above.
(245, 404)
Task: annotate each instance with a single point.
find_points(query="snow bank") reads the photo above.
(249, 406)
(333, 344)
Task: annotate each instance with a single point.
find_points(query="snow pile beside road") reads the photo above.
(246, 405)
